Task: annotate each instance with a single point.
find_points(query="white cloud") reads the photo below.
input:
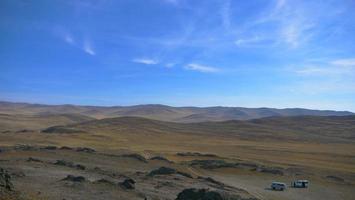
(87, 47)
(349, 62)
(247, 41)
(201, 68)
(146, 61)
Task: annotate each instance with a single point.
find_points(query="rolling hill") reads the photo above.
(164, 113)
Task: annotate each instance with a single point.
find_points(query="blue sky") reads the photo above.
(262, 53)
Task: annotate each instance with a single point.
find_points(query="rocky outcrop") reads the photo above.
(5, 181)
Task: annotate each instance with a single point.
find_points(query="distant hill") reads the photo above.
(164, 113)
(20, 122)
(305, 128)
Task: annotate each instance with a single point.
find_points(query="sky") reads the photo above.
(255, 53)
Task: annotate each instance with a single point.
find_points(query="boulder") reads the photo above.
(128, 184)
(74, 178)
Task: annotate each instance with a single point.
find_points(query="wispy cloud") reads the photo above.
(146, 61)
(87, 47)
(331, 68)
(201, 68)
(68, 38)
(169, 65)
(225, 14)
(248, 41)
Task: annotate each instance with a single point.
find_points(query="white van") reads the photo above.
(278, 186)
(300, 184)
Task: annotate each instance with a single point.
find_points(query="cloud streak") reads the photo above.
(145, 61)
(87, 47)
(201, 68)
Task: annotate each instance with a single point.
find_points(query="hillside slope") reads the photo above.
(306, 128)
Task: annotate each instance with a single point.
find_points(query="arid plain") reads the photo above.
(237, 153)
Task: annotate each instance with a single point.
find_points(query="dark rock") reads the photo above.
(81, 167)
(65, 148)
(64, 163)
(162, 171)
(213, 164)
(85, 149)
(213, 181)
(160, 158)
(30, 159)
(277, 171)
(199, 194)
(74, 178)
(135, 156)
(195, 154)
(104, 181)
(5, 180)
(128, 184)
(335, 178)
(24, 131)
(50, 148)
(25, 147)
(168, 171)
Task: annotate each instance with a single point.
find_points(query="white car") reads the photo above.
(278, 186)
(300, 184)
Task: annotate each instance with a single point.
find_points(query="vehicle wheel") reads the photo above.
(273, 188)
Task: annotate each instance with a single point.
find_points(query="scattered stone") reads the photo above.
(199, 194)
(85, 149)
(5, 180)
(74, 178)
(128, 184)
